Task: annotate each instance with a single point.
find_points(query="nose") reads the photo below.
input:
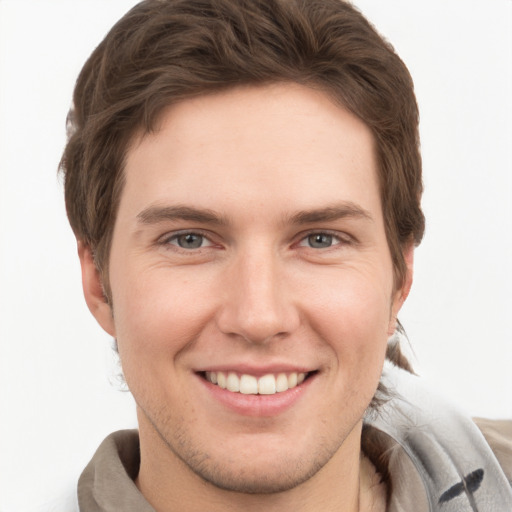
(257, 303)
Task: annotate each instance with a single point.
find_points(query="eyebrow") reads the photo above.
(330, 213)
(156, 214)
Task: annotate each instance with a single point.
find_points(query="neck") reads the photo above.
(168, 484)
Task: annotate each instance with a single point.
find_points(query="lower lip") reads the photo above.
(258, 405)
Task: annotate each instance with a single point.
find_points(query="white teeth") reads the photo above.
(221, 380)
(267, 385)
(281, 382)
(249, 385)
(233, 383)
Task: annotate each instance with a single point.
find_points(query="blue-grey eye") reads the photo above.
(189, 241)
(320, 240)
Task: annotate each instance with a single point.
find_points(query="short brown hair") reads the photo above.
(163, 51)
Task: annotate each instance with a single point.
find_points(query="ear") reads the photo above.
(402, 293)
(93, 290)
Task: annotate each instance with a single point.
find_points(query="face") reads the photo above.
(252, 286)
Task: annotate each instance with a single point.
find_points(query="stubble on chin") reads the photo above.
(271, 474)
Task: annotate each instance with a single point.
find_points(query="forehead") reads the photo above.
(281, 142)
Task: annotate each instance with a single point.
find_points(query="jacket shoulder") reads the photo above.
(498, 434)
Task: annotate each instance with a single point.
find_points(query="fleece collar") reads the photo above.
(454, 468)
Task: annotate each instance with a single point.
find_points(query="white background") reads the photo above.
(56, 399)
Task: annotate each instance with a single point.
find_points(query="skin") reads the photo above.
(274, 165)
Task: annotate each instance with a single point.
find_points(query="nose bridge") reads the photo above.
(257, 306)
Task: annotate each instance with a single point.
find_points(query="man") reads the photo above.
(244, 182)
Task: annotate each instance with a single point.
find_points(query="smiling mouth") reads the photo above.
(269, 384)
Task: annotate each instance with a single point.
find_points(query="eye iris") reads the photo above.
(320, 240)
(190, 241)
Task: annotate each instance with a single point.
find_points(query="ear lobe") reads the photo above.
(409, 263)
(93, 290)
(402, 293)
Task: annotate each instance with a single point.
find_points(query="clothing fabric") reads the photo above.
(433, 458)
(436, 458)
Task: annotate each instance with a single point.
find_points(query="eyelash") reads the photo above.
(338, 239)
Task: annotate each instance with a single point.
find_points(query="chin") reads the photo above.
(271, 479)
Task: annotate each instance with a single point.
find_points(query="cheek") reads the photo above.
(157, 314)
(353, 317)
(355, 303)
